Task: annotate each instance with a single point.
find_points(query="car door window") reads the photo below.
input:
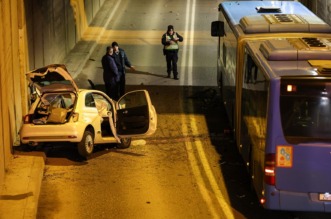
(102, 104)
(134, 100)
(89, 100)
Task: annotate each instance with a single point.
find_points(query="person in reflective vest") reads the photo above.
(170, 42)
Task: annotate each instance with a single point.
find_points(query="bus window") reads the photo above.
(250, 70)
(223, 53)
(306, 111)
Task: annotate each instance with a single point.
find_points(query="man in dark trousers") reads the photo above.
(110, 74)
(170, 42)
(122, 61)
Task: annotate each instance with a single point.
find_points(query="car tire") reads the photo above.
(125, 143)
(86, 145)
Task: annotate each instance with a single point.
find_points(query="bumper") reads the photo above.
(294, 201)
(68, 132)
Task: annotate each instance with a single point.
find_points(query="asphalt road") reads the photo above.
(189, 168)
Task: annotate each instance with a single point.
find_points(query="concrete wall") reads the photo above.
(13, 63)
(55, 26)
(33, 33)
(321, 8)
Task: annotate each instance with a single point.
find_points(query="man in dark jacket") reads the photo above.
(110, 74)
(121, 61)
(170, 42)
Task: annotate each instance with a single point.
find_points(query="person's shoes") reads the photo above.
(168, 76)
(176, 78)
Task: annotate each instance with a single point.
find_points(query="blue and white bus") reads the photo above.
(275, 78)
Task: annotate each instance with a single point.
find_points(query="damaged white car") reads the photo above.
(63, 113)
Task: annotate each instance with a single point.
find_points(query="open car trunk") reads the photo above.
(54, 108)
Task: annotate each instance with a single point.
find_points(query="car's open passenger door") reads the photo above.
(136, 115)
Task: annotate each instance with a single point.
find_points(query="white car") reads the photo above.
(63, 113)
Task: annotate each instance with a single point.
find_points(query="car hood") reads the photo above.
(52, 78)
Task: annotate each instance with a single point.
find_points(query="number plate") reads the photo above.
(325, 197)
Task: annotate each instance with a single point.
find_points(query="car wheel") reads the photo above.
(125, 143)
(85, 147)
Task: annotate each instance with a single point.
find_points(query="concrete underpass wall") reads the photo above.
(13, 62)
(55, 26)
(33, 33)
(322, 8)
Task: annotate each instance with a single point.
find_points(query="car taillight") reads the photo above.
(269, 169)
(26, 119)
(75, 117)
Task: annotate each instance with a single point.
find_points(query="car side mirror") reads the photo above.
(217, 29)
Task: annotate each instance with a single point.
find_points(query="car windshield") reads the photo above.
(47, 83)
(306, 111)
(58, 100)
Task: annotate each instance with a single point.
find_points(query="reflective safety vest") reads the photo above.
(171, 46)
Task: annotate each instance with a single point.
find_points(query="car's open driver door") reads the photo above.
(135, 114)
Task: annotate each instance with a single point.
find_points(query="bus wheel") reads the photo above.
(86, 145)
(125, 143)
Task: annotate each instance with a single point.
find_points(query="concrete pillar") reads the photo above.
(12, 66)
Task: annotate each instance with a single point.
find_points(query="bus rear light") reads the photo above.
(262, 201)
(269, 169)
(291, 88)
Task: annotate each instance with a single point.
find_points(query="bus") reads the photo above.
(275, 78)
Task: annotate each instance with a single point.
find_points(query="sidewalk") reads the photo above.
(20, 193)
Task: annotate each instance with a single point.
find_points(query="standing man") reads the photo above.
(111, 76)
(170, 41)
(121, 61)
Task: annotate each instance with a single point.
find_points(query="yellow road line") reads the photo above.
(199, 179)
(220, 197)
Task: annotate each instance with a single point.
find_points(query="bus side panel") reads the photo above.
(228, 51)
(255, 90)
